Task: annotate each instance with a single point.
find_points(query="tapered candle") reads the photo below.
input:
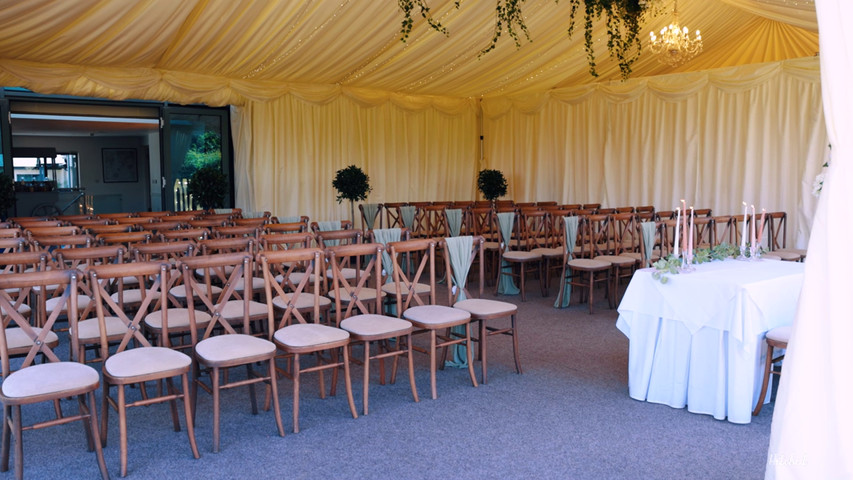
(690, 236)
(684, 224)
(752, 229)
(761, 227)
(677, 227)
(743, 232)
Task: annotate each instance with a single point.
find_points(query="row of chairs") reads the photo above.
(137, 324)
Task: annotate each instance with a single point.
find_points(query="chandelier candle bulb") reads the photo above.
(743, 232)
(677, 227)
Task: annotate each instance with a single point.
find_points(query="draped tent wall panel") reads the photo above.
(752, 133)
(288, 150)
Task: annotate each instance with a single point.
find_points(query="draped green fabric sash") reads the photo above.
(408, 214)
(648, 241)
(385, 236)
(328, 226)
(571, 233)
(370, 212)
(459, 252)
(506, 285)
(454, 221)
(293, 219)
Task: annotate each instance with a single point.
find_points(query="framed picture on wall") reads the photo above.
(120, 165)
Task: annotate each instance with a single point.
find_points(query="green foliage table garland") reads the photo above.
(672, 265)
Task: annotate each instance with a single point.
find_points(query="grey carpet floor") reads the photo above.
(568, 416)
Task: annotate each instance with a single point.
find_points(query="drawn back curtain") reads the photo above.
(753, 133)
(288, 150)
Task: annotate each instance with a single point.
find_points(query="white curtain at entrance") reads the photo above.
(812, 431)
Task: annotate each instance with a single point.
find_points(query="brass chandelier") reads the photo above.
(674, 46)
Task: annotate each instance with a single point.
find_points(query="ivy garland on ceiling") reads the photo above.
(623, 18)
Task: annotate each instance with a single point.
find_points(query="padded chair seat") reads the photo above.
(295, 277)
(348, 273)
(391, 289)
(549, 252)
(787, 256)
(770, 256)
(371, 325)
(639, 256)
(302, 301)
(82, 302)
(486, 308)
(133, 295)
(521, 256)
(89, 330)
(618, 260)
(179, 318)
(223, 348)
(137, 362)
(491, 245)
(46, 378)
(16, 338)
(363, 294)
(309, 334)
(181, 291)
(588, 264)
(23, 309)
(234, 309)
(257, 285)
(199, 272)
(779, 334)
(436, 316)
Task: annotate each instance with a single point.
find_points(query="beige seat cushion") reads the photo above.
(179, 318)
(588, 264)
(82, 302)
(49, 378)
(302, 301)
(89, 329)
(199, 272)
(257, 285)
(223, 348)
(309, 334)
(620, 260)
(23, 309)
(391, 289)
(133, 295)
(484, 307)
(295, 277)
(367, 325)
(787, 256)
(234, 309)
(521, 256)
(181, 290)
(780, 334)
(436, 315)
(364, 294)
(348, 273)
(145, 361)
(770, 256)
(16, 338)
(549, 252)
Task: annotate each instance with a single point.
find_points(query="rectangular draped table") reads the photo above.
(697, 340)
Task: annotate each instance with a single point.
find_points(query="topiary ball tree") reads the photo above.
(351, 184)
(492, 184)
(208, 186)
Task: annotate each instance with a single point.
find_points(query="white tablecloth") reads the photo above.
(698, 340)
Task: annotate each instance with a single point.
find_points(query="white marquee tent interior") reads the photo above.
(318, 85)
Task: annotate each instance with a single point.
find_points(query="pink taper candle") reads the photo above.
(690, 236)
(684, 224)
(743, 230)
(761, 227)
(677, 230)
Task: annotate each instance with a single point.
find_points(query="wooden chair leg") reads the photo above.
(768, 366)
(188, 413)
(348, 384)
(470, 354)
(122, 429)
(366, 386)
(515, 343)
(96, 440)
(432, 359)
(7, 433)
(483, 353)
(274, 390)
(411, 366)
(296, 374)
(214, 379)
(19, 443)
(105, 413)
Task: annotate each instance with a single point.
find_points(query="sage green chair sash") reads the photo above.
(454, 221)
(254, 214)
(459, 251)
(571, 232)
(370, 212)
(408, 214)
(292, 219)
(506, 285)
(385, 236)
(648, 242)
(328, 226)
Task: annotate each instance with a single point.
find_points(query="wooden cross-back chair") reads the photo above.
(585, 271)
(256, 222)
(236, 231)
(159, 214)
(446, 326)
(298, 331)
(511, 257)
(163, 226)
(26, 302)
(10, 232)
(48, 244)
(366, 223)
(393, 216)
(433, 222)
(145, 363)
(358, 304)
(49, 381)
(194, 234)
(13, 244)
(290, 227)
(52, 231)
(485, 313)
(228, 341)
(98, 229)
(724, 230)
